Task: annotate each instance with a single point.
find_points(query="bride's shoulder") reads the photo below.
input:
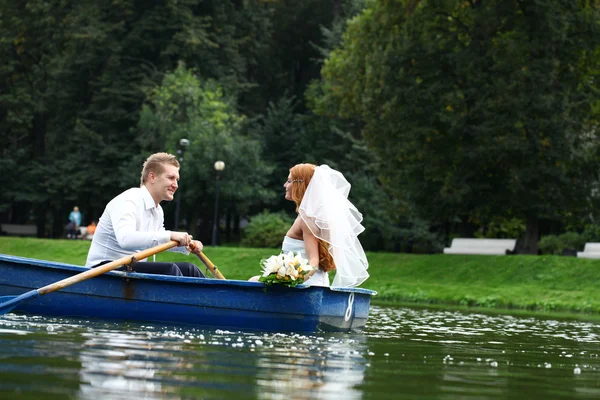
(296, 228)
(300, 224)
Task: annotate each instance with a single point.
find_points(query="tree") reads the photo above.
(183, 106)
(479, 108)
(291, 134)
(75, 74)
(36, 106)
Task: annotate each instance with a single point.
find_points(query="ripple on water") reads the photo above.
(418, 353)
(121, 360)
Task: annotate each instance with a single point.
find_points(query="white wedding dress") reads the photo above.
(319, 278)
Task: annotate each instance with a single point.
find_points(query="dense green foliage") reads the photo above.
(569, 242)
(448, 117)
(266, 229)
(536, 283)
(92, 88)
(183, 106)
(481, 109)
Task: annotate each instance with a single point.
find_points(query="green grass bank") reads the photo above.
(551, 284)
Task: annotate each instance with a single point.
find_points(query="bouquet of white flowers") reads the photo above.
(288, 269)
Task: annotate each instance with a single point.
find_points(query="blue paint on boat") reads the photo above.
(210, 303)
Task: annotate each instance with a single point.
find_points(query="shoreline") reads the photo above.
(524, 284)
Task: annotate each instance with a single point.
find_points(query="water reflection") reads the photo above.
(167, 362)
(115, 364)
(402, 353)
(311, 366)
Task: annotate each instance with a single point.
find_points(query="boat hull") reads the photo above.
(208, 303)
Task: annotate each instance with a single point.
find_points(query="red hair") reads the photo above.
(301, 175)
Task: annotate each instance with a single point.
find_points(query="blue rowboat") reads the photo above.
(209, 303)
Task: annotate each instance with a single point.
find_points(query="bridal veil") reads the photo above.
(331, 217)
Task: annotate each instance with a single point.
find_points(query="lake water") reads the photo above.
(402, 354)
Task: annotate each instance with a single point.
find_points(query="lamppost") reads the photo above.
(183, 145)
(219, 166)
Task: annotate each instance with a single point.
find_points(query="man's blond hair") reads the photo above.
(155, 163)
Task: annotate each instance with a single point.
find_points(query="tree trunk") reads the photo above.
(228, 221)
(60, 217)
(236, 226)
(38, 138)
(40, 221)
(531, 237)
(466, 229)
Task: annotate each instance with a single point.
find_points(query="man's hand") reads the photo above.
(183, 238)
(195, 247)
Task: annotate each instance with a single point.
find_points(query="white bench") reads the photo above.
(481, 246)
(18, 230)
(590, 250)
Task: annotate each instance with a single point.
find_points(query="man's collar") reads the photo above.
(148, 200)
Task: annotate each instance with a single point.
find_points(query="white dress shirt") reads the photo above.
(131, 222)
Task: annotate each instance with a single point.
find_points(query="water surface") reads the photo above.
(402, 354)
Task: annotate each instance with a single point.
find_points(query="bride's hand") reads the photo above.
(311, 273)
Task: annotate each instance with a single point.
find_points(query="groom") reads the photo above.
(134, 220)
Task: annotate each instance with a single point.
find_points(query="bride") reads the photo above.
(325, 231)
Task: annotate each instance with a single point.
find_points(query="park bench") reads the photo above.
(18, 230)
(481, 246)
(590, 250)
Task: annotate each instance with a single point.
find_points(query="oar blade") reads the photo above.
(8, 303)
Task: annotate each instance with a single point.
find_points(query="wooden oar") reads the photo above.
(7, 303)
(212, 267)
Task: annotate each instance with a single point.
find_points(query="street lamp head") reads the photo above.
(219, 166)
(184, 142)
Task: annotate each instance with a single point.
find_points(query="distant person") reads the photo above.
(72, 226)
(326, 229)
(75, 217)
(91, 228)
(134, 221)
(89, 231)
(71, 231)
